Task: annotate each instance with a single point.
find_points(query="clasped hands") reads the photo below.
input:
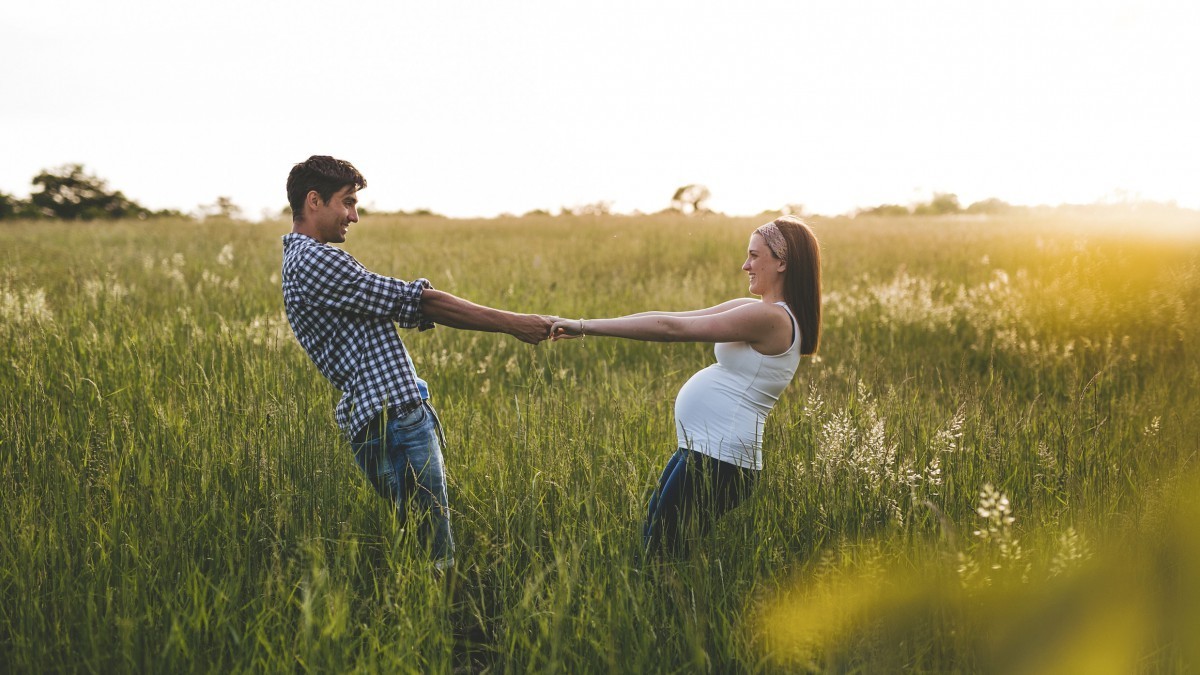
(566, 329)
(533, 328)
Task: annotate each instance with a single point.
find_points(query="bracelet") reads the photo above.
(581, 333)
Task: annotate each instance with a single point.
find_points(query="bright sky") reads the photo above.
(478, 108)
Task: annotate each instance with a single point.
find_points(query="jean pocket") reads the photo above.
(410, 420)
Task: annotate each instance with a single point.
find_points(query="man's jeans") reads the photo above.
(405, 462)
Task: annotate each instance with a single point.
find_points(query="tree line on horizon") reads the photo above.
(70, 192)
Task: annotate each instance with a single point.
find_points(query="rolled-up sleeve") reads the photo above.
(337, 281)
(409, 314)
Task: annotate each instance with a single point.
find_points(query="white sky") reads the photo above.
(478, 108)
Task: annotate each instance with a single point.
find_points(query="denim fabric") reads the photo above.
(693, 492)
(402, 459)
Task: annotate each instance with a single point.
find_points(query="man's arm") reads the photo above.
(455, 312)
(330, 278)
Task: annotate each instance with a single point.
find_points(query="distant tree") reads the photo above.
(11, 207)
(227, 209)
(70, 193)
(990, 205)
(794, 209)
(222, 208)
(885, 211)
(422, 212)
(540, 213)
(600, 208)
(691, 199)
(169, 213)
(942, 203)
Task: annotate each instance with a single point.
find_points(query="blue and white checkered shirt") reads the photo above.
(344, 316)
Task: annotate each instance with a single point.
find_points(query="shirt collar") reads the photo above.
(297, 238)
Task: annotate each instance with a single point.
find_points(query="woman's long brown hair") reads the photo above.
(802, 280)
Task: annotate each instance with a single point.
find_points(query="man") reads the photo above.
(343, 316)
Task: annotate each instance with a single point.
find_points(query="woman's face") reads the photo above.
(764, 269)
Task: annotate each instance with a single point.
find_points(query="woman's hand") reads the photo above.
(566, 329)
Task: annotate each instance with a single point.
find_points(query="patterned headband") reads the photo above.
(774, 238)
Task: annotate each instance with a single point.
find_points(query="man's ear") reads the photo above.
(313, 199)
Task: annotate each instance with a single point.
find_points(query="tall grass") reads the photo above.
(986, 469)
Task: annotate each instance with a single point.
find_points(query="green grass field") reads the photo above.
(177, 498)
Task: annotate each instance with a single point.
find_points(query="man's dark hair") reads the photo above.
(324, 174)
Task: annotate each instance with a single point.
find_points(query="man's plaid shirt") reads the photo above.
(344, 316)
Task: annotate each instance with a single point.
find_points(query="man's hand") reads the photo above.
(532, 328)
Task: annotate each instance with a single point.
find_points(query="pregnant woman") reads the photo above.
(721, 411)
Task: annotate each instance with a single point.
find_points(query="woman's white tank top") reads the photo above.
(722, 410)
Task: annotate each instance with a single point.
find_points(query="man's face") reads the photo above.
(331, 219)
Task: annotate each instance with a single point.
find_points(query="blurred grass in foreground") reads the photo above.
(1133, 607)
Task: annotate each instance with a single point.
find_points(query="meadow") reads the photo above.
(990, 466)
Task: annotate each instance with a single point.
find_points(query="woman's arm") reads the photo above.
(757, 323)
(715, 309)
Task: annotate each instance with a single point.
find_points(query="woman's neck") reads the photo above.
(772, 296)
